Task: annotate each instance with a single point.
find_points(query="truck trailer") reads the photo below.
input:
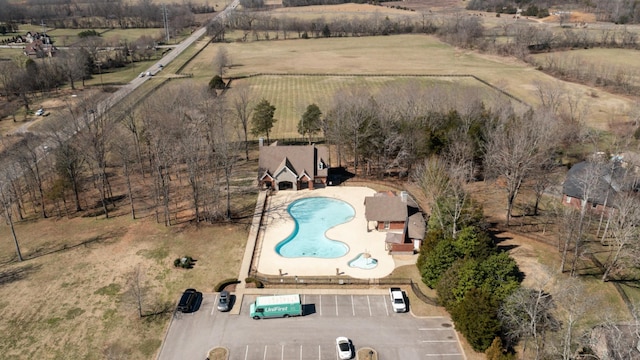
(276, 306)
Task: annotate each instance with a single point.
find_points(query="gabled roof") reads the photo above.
(601, 181)
(416, 226)
(385, 207)
(300, 159)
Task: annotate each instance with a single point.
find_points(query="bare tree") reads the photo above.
(242, 104)
(28, 154)
(96, 130)
(357, 108)
(551, 96)
(122, 148)
(221, 61)
(516, 148)
(7, 198)
(528, 315)
(137, 289)
(442, 183)
(589, 179)
(623, 233)
(73, 63)
(574, 303)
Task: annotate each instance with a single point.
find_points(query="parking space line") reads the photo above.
(353, 306)
(337, 305)
(319, 353)
(264, 357)
(435, 329)
(443, 354)
(438, 341)
(246, 353)
(215, 301)
(369, 303)
(282, 352)
(300, 352)
(386, 309)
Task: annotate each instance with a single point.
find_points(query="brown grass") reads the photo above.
(70, 297)
(380, 55)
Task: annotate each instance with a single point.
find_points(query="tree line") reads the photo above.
(100, 14)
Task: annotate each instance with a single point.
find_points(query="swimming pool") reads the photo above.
(313, 216)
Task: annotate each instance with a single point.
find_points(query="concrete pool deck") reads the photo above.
(278, 224)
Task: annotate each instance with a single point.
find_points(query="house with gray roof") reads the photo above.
(293, 167)
(400, 217)
(597, 185)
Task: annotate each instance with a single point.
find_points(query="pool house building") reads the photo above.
(292, 167)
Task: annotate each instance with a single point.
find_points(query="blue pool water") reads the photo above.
(313, 217)
(363, 262)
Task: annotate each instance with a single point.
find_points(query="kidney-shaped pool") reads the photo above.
(313, 216)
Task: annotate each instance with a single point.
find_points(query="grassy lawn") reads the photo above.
(10, 54)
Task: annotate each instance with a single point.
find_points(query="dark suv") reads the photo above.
(223, 301)
(188, 301)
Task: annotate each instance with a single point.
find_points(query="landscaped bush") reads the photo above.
(185, 262)
(257, 282)
(222, 284)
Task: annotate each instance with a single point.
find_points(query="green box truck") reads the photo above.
(276, 306)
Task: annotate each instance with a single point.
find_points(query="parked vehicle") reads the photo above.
(188, 301)
(40, 112)
(343, 346)
(276, 306)
(223, 301)
(397, 300)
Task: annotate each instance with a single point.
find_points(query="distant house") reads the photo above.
(400, 217)
(597, 185)
(292, 167)
(38, 49)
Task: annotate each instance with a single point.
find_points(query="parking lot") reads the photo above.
(366, 319)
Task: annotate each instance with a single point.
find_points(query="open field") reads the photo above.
(406, 54)
(602, 60)
(10, 54)
(342, 11)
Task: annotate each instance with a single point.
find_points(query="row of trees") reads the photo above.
(100, 14)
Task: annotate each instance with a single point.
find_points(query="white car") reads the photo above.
(40, 112)
(343, 345)
(397, 300)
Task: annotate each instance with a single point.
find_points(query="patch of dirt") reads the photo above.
(575, 17)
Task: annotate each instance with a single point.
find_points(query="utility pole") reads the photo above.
(165, 19)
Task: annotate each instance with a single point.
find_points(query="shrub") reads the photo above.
(257, 282)
(185, 262)
(497, 352)
(476, 316)
(88, 33)
(217, 83)
(222, 284)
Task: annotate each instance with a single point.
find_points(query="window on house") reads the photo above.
(387, 225)
(568, 200)
(320, 165)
